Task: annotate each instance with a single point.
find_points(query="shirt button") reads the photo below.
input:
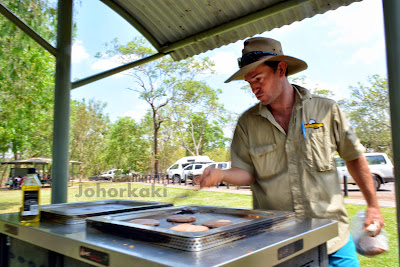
(296, 201)
(294, 181)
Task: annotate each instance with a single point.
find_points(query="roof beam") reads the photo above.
(253, 17)
(28, 30)
(113, 71)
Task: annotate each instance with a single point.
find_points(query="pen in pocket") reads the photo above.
(303, 129)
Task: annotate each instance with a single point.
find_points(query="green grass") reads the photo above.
(10, 201)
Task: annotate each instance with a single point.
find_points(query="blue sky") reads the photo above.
(341, 48)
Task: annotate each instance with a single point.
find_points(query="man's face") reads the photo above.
(265, 83)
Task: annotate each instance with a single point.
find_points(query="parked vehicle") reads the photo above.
(110, 174)
(176, 170)
(379, 164)
(193, 170)
(219, 165)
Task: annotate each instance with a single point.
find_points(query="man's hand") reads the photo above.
(359, 170)
(373, 221)
(211, 177)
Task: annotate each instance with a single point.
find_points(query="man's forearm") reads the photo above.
(359, 170)
(237, 176)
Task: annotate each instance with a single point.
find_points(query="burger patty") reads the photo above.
(181, 218)
(217, 223)
(185, 227)
(150, 222)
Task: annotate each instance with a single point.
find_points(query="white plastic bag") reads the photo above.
(366, 244)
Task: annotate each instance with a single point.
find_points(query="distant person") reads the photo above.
(16, 182)
(284, 147)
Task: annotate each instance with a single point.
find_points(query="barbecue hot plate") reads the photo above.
(245, 222)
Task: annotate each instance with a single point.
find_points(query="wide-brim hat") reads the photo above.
(259, 50)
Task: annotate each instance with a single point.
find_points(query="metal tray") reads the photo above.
(246, 222)
(77, 212)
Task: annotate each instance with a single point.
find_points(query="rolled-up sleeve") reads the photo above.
(240, 156)
(347, 142)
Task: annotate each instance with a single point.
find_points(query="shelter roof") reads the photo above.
(189, 27)
(36, 161)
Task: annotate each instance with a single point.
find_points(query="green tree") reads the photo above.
(127, 147)
(204, 133)
(316, 90)
(368, 111)
(169, 144)
(200, 123)
(88, 136)
(26, 81)
(162, 83)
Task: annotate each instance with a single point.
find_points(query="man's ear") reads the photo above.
(282, 67)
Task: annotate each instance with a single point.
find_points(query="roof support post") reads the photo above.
(391, 9)
(60, 166)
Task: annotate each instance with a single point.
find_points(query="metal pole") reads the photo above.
(391, 9)
(346, 191)
(62, 103)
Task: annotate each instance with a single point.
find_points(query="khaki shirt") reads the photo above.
(296, 171)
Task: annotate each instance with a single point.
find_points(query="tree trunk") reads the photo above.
(156, 150)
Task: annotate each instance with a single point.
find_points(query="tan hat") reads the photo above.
(258, 50)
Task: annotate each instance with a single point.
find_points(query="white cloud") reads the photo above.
(368, 55)
(137, 114)
(78, 52)
(355, 24)
(225, 62)
(104, 64)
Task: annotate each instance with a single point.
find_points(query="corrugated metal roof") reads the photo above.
(182, 27)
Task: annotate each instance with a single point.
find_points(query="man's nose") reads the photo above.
(254, 88)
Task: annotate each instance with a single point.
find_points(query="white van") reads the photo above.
(109, 175)
(176, 170)
(379, 164)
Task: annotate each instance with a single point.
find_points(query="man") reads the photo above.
(284, 148)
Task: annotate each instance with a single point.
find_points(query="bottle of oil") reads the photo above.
(30, 212)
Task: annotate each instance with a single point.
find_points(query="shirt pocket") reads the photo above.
(264, 159)
(318, 151)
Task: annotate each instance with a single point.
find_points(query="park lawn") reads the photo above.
(10, 201)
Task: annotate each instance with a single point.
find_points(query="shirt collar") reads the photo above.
(301, 95)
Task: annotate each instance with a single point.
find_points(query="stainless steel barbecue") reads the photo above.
(246, 222)
(256, 238)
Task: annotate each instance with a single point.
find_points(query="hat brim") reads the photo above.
(295, 65)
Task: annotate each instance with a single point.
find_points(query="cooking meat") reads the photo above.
(184, 218)
(150, 222)
(217, 223)
(185, 227)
